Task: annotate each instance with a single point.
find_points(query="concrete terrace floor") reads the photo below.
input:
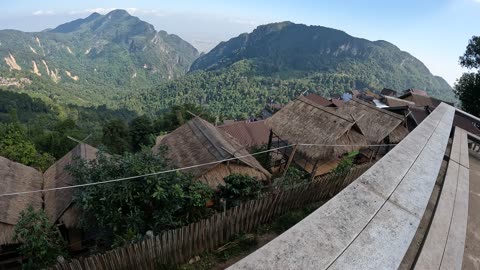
(471, 257)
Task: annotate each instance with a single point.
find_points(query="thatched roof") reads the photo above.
(388, 92)
(422, 100)
(396, 102)
(375, 123)
(416, 92)
(303, 121)
(248, 134)
(16, 177)
(58, 203)
(319, 100)
(198, 142)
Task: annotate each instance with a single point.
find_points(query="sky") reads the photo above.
(434, 31)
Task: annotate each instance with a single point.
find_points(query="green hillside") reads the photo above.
(286, 50)
(94, 61)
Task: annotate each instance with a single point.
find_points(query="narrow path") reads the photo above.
(471, 257)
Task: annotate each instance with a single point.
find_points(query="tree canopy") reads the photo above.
(128, 209)
(467, 87)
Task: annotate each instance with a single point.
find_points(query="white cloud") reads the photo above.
(43, 12)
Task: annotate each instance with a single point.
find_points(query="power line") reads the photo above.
(183, 168)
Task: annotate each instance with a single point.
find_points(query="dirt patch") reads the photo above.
(33, 50)
(12, 63)
(75, 78)
(35, 69)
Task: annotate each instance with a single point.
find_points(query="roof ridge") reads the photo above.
(203, 133)
(378, 109)
(313, 104)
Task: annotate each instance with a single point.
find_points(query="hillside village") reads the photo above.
(312, 134)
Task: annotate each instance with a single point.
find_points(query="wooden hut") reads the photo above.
(248, 134)
(319, 100)
(422, 99)
(199, 142)
(16, 177)
(304, 121)
(376, 124)
(59, 205)
(396, 102)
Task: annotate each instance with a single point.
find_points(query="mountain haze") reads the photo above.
(96, 59)
(290, 50)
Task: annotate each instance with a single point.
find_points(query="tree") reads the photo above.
(56, 141)
(15, 146)
(141, 132)
(239, 188)
(41, 241)
(471, 57)
(467, 88)
(129, 208)
(178, 115)
(115, 136)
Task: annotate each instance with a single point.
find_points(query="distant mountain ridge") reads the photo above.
(289, 50)
(95, 59)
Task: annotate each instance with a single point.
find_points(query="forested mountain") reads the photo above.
(290, 51)
(119, 61)
(92, 61)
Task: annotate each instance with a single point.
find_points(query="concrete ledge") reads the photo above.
(371, 223)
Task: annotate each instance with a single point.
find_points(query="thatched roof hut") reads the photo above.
(248, 134)
(59, 203)
(319, 100)
(396, 102)
(375, 123)
(304, 121)
(198, 142)
(422, 100)
(16, 177)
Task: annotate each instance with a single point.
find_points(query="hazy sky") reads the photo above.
(435, 31)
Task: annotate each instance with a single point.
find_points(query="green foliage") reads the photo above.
(111, 54)
(345, 164)
(239, 188)
(15, 146)
(41, 241)
(467, 88)
(178, 115)
(47, 124)
(56, 141)
(471, 57)
(331, 60)
(115, 136)
(294, 176)
(141, 132)
(129, 208)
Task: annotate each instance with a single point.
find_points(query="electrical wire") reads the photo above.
(184, 168)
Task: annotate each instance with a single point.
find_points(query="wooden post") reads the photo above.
(269, 146)
(290, 158)
(314, 171)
